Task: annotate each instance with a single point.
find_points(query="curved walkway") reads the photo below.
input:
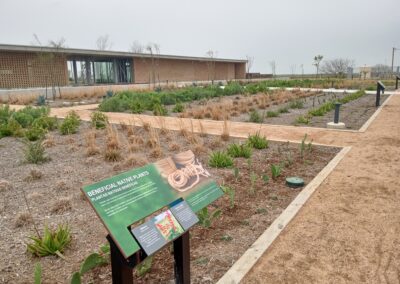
(348, 231)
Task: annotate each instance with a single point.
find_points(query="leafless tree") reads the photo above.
(250, 61)
(154, 50)
(293, 68)
(272, 64)
(136, 47)
(103, 43)
(211, 54)
(317, 62)
(48, 59)
(381, 70)
(337, 67)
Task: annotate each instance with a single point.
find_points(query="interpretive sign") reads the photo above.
(129, 197)
(165, 227)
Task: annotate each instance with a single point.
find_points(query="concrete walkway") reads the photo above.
(348, 232)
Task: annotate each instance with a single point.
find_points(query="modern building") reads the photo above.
(34, 66)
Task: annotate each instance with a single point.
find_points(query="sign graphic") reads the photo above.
(129, 197)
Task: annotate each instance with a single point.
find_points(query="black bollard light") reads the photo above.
(379, 87)
(337, 108)
(397, 81)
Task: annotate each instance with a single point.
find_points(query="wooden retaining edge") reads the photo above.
(374, 115)
(245, 263)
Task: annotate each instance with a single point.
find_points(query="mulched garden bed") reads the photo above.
(53, 193)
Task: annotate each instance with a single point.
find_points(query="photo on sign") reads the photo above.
(183, 171)
(168, 226)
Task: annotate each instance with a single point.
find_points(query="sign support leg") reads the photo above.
(182, 259)
(122, 273)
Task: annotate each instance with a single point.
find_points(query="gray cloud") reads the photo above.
(288, 31)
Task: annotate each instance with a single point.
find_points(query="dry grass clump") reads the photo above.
(216, 113)
(112, 152)
(23, 219)
(202, 132)
(34, 174)
(225, 131)
(49, 141)
(153, 140)
(199, 148)
(174, 147)
(216, 142)
(156, 153)
(5, 185)
(146, 126)
(61, 206)
(91, 146)
(23, 99)
(133, 161)
(61, 185)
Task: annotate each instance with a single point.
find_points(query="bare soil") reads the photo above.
(55, 198)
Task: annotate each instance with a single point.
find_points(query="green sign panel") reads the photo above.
(129, 197)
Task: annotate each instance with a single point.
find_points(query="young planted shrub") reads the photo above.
(257, 141)
(231, 193)
(46, 122)
(272, 113)
(137, 107)
(35, 133)
(239, 150)
(255, 117)
(159, 110)
(99, 120)
(283, 109)
(23, 118)
(178, 108)
(219, 159)
(70, 124)
(276, 171)
(206, 218)
(11, 128)
(296, 104)
(303, 119)
(53, 242)
(35, 152)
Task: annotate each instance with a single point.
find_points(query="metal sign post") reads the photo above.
(379, 87)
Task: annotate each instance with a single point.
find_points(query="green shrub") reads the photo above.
(70, 124)
(206, 218)
(53, 242)
(5, 114)
(46, 122)
(257, 141)
(35, 152)
(159, 110)
(98, 120)
(233, 88)
(303, 119)
(283, 109)
(272, 113)
(239, 150)
(220, 159)
(178, 108)
(24, 119)
(296, 104)
(144, 267)
(137, 107)
(255, 117)
(35, 133)
(276, 171)
(35, 112)
(11, 128)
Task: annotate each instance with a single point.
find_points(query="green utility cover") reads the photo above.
(294, 182)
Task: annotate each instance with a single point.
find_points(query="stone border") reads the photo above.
(246, 262)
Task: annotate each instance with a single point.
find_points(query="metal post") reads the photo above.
(397, 81)
(182, 259)
(378, 96)
(75, 72)
(337, 107)
(121, 269)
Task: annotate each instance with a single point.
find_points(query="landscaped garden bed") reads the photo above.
(253, 180)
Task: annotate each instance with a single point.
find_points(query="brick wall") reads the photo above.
(185, 70)
(26, 70)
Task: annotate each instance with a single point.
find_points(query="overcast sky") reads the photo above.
(289, 32)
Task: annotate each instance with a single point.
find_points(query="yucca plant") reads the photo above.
(35, 152)
(53, 242)
(276, 171)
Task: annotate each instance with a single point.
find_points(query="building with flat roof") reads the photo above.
(34, 66)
